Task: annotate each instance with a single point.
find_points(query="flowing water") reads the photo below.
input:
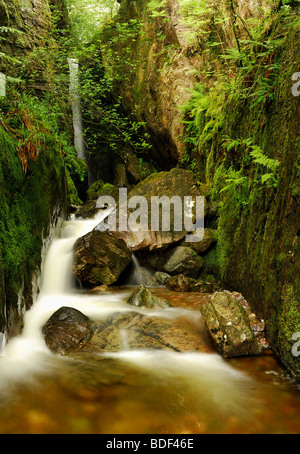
(133, 391)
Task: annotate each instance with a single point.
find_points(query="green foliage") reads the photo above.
(37, 124)
(6, 33)
(88, 16)
(108, 128)
(270, 178)
(25, 205)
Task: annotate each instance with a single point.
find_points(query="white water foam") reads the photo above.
(208, 375)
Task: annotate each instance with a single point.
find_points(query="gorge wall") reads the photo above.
(34, 193)
(222, 105)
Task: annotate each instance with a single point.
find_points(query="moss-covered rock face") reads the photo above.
(258, 247)
(33, 186)
(160, 56)
(31, 18)
(29, 205)
(239, 107)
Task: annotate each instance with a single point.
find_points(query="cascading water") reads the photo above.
(188, 387)
(27, 354)
(140, 274)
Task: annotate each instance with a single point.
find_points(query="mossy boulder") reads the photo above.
(142, 297)
(100, 188)
(229, 326)
(183, 260)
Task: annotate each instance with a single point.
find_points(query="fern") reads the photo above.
(260, 158)
(4, 29)
(236, 180)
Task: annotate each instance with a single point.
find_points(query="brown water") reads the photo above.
(152, 392)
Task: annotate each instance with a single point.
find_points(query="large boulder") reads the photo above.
(100, 258)
(178, 260)
(229, 326)
(134, 331)
(178, 183)
(183, 260)
(67, 330)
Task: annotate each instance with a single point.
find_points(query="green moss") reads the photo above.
(258, 230)
(26, 205)
(74, 198)
(288, 324)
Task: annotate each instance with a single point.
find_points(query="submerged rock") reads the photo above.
(229, 326)
(134, 331)
(100, 258)
(67, 330)
(142, 297)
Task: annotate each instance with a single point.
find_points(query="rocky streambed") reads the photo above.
(144, 341)
(104, 259)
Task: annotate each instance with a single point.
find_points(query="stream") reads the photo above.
(133, 391)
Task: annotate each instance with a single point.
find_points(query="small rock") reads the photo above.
(181, 283)
(161, 277)
(142, 297)
(101, 288)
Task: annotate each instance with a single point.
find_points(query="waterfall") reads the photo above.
(27, 355)
(2, 344)
(76, 108)
(2, 85)
(140, 274)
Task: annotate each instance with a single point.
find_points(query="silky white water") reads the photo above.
(26, 356)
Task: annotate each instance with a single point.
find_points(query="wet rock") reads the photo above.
(229, 326)
(67, 330)
(101, 288)
(183, 260)
(142, 297)
(140, 275)
(100, 258)
(134, 331)
(181, 283)
(177, 182)
(87, 211)
(177, 260)
(203, 246)
(161, 277)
